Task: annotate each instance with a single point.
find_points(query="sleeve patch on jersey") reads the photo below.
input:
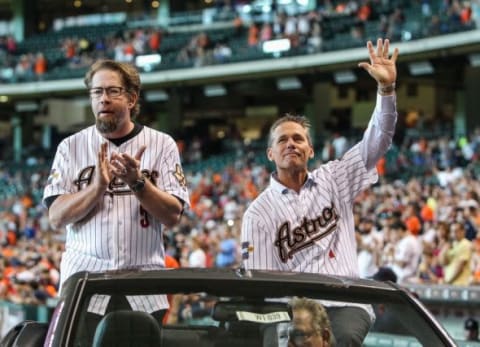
(246, 249)
(54, 176)
(180, 176)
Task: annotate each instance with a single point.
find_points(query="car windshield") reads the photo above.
(201, 319)
(209, 310)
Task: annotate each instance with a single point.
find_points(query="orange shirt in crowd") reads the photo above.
(426, 213)
(364, 13)
(51, 290)
(154, 41)
(251, 190)
(11, 238)
(253, 35)
(171, 262)
(70, 49)
(381, 166)
(7, 252)
(40, 66)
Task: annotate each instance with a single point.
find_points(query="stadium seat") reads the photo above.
(127, 329)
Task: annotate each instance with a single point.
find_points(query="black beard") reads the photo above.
(106, 125)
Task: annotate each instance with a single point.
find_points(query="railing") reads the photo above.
(451, 305)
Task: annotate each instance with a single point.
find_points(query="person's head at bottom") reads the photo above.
(310, 326)
(471, 329)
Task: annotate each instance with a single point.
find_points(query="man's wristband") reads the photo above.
(386, 90)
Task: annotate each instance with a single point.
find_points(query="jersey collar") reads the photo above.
(277, 186)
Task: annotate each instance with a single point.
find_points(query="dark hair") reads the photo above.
(128, 73)
(398, 225)
(385, 273)
(471, 324)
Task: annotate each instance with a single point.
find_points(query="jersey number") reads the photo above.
(144, 222)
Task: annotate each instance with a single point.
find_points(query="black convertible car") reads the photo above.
(221, 307)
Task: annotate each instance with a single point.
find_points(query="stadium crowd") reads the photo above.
(421, 223)
(352, 22)
(421, 220)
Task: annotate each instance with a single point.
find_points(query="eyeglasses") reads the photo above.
(298, 337)
(112, 92)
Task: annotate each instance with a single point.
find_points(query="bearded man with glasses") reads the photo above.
(114, 187)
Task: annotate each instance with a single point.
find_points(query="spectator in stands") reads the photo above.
(427, 270)
(221, 53)
(304, 27)
(411, 218)
(364, 11)
(24, 67)
(11, 44)
(315, 40)
(40, 67)
(197, 256)
(115, 186)
(475, 275)
(304, 220)
(370, 244)
(407, 253)
(196, 309)
(457, 259)
(238, 25)
(471, 220)
(266, 32)
(100, 48)
(227, 249)
(154, 40)
(69, 47)
(471, 329)
(253, 35)
(310, 326)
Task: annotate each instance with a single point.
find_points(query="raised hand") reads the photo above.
(381, 67)
(102, 171)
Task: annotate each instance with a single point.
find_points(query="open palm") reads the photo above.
(381, 67)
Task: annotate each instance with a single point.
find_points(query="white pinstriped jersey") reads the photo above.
(313, 230)
(119, 234)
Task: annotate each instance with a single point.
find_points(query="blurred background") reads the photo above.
(215, 75)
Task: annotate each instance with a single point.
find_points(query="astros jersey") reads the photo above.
(119, 233)
(313, 230)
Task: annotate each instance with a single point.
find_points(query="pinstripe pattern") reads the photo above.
(113, 237)
(313, 231)
(326, 199)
